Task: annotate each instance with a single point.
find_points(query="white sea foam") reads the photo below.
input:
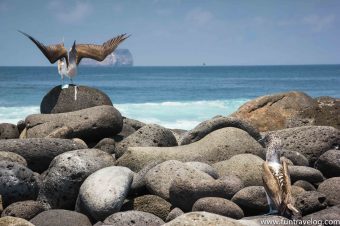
(179, 115)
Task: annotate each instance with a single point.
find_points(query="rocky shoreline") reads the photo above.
(82, 163)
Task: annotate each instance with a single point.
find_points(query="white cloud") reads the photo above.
(200, 17)
(68, 13)
(319, 23)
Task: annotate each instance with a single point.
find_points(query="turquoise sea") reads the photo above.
(175, 97)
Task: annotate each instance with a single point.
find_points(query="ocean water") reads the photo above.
(175, 97)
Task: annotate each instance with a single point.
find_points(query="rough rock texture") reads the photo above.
(329, 163)
(8, 131)
(311, 141)
(330, 188)
(310, 201)
(252, 200)
(204, 218)
(67, 172)
(104, 191)
(150, 204)
(247, 167)
(159, 178)
(219, 206)
(133, 217)
(12, 157)
(184, 193)
(24, 209)
(297, 158)
(332, 213)
(305, 173)
(17, 183)
(175, 212)
(60, 218)
(205, 168)
(90, 124)
(273, 112)
(107, 144)
(148, 136)
(213, 124)
(14, 221)
(59, 100)
(217, 146)
(39, 152)
(305, 185)
(129, 127)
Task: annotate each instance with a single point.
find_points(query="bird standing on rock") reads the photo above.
(68, 60)
(276, 180)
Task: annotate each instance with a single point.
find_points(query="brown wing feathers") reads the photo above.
(51, 52)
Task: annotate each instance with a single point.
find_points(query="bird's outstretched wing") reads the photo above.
(99, 52)
(271, 185)
(52, 52)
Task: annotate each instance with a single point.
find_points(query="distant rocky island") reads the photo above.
(120, 57)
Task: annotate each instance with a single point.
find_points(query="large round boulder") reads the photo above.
(329, 163)
(12, 157)
(24, 209)
(59, 100)
(104, 192)
(14, 221)
(330, 188)
(305, 173)
(90, 124)
(133, 217)
(324, 217)
(61, 183)
(17, 183)
(8, 131)
(39, 152)
(60, 218)
(310, 201)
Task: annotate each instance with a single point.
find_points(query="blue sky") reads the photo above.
(179, 32)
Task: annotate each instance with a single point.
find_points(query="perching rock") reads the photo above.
(39, 152)
(159, 178)
(330, 188)
(205, 168)
(329, 214)
(17, 183)
(59, 100)
(213, 124)
(107, 144)
(66, 173)
(310, 201)
(133, 217)
(104, 191)
(175, 212)
(24, 209)
(149, 203)
(311, 141)
(184, 193)
(148, 136)
(8, 131)
(217, 146)
(329, 163)
(305, 185)
(60, 218)
(247, 167)
(305, 173)
(14, 221)
(219, 206)
(252, 200)
(90, 124)
(12, 157)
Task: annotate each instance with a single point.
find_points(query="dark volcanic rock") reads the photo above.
(208, 126)
(17, 183)
(39, 152)
(67, 172)
(129, 127)
(204, 167)
(310, 201)
(60, 218)
(184, 193)
(175, 212)
(25, 209)
(305, 185)
(305, 173)
(8, 131)
(330, 188)
(329, 163)
(59, 100)
(90, 124)
(12, 157)
(297, 158)
(219, 206)
(133, 217)
(252, 200)
(329, 214)
(148, 136)
(311, 141)
(150, 204)
(107, 144)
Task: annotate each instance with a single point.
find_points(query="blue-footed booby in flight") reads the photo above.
(276, 180)
(68, 60)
